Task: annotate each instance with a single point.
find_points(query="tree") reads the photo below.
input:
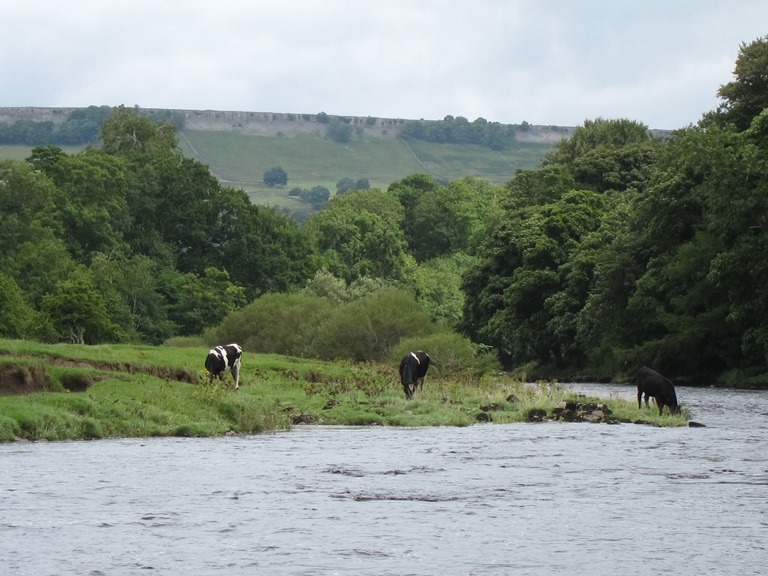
(261, 249)
(317, 196)
(275, 176)
(737, 217)
(359, 234)
(77, 310)
(202, 302)
(91, 198)
(747, 95)
(344, 185)
(339, 131)
(607, 155)
(521, 291)
(437, 285)
(27, 207)
(128, 134)
(15, 314)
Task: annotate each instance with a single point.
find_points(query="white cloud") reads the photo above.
(546, 61)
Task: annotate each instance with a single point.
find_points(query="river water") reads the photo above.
(549, 498)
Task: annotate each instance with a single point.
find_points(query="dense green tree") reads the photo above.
(138, 293)
(275, 176)
(737, 216)
(78, 312)
(746, 96)
(175, 206)
(38, 266)
(437, 285)
(91, 199)
(16, 315)
(27, 207)
(200, 302)
(359, 234)
(339, 131)
(127, 133)
(607, 155)
(344, 185)
(442, 219)
(350, 185)
(261, 249)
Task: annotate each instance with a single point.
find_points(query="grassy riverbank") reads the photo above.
(67, 392)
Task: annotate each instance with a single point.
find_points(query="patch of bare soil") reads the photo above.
(19, 379)
(15, 380)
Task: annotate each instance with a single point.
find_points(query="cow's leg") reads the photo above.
(236, 374)
(408, 391)
(639, 399)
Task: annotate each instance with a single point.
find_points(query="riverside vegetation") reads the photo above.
(623, 249)
(72, 392)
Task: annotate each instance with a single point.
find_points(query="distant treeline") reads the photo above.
(82, 126)
(459, 130)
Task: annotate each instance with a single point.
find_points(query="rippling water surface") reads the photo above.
(548, 498)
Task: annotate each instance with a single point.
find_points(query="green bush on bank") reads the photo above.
(364, 329)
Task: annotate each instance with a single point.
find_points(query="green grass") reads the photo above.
(19, 153)
(143, 391)
(240, 160)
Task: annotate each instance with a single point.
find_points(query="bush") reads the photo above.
(367, 329)
(360, 329)
(450, 354)
(275, 323)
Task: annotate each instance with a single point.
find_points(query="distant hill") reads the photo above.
(319, 149)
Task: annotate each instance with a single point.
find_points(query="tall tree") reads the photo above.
(746, 96)
(91, 199)
(77, 310)
(359, 234)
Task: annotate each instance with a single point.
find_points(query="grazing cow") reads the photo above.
(651, 383)
(223, 358)
(413, 370)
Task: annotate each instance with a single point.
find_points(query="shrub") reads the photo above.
(451, 354)
(276, 323)
(368, 328)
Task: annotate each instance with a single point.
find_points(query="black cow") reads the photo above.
(413, 370)
(651, 383)
(223, 358)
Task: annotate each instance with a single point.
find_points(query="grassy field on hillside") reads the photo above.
(240, 160)
(67, 392)
(20, 153)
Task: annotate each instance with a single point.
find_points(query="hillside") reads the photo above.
(239, 147)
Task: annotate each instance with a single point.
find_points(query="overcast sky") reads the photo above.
(560, 62)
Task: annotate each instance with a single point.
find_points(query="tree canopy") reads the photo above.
(620, 249)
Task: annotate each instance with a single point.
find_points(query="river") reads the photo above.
(543, 499)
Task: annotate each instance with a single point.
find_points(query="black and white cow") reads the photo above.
(651, 383)
(223, 358)
(413, 370)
